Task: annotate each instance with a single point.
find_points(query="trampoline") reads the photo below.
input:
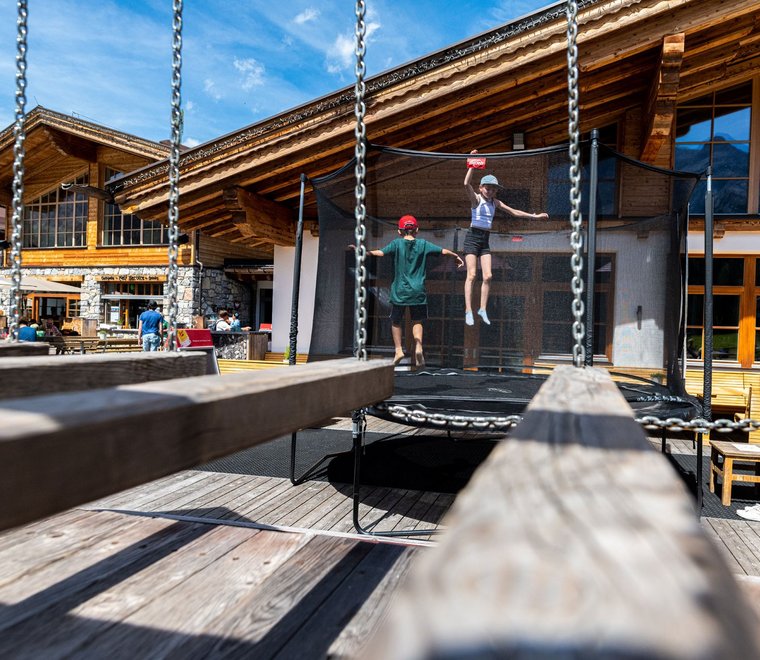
(635, 299)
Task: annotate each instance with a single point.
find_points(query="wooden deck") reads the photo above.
(208, 564)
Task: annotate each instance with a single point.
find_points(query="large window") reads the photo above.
(715, 130)
(736, 309)
(126, 229)
(57, 219)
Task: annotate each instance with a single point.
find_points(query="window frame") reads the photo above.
(62, 198)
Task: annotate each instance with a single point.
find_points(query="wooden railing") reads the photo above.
(75, 436)
(574, 539)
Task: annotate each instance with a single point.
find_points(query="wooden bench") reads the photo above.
(235, 366)
(723, 456)
(574, 539)
(73, 344)
(729, 393)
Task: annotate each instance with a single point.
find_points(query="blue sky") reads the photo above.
(109, 61)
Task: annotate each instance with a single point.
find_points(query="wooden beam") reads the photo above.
(257, 217)
(60, 450)
(51, 374)
(70, 146)
(11, 350)
(660, 110)
(574, 539)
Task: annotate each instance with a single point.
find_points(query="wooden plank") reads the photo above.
(25, 348)
(84, 445)
(21, 377)
(575, 535)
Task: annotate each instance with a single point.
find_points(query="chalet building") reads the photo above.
(672, 83)
(84, 258)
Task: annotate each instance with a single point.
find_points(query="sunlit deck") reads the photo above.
(218, 564)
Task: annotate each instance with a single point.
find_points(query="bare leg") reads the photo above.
(419, 357)
(472, 270)
(396, 334)
(485, 288)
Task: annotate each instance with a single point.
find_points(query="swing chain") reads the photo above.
(360, 211)
(576, 237)
(19, 133)
(176, 126)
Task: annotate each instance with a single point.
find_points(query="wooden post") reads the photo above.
(574, 539)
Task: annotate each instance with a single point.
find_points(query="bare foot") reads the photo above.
(419, 358)
(398, 358)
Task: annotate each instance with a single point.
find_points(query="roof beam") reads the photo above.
(259, 218)
(663, 95)
(70, 146)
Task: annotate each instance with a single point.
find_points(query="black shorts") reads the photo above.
(476, 241)
(417, 313)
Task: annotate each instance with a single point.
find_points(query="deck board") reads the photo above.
(97, 578)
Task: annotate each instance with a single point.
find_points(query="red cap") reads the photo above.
(407, 222)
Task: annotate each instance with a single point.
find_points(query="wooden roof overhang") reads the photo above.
(58, 147)
(632, 53)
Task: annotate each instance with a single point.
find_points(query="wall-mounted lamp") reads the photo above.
(638, 317)
(518, 141)
(182, 239)
(4, 245)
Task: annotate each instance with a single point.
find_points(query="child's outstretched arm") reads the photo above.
(374, 253)
(517, 213)
(449, 253)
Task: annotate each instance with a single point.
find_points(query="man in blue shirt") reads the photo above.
(150, 328)
(24, 332)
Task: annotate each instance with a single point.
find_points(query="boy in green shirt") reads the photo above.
(408, 288)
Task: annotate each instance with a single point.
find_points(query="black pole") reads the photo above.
(591, 247)
(294, 311)
(296, 278)
(707, 348)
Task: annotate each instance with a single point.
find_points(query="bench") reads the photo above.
(723, 455)
(235, 366)
(73, 344)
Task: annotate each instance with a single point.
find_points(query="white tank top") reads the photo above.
(482, 214)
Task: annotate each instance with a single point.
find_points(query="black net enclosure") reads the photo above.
(493, 363)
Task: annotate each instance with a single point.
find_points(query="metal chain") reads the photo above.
(19, 133)
(409, 415)
(699, 424)
(176, 124)
(443, 420)
(576, 237)
(360, 212)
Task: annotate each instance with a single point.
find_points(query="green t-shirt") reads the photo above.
(409, 259)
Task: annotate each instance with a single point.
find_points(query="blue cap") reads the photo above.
(489, 180)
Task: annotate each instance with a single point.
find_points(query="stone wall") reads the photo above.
(218, 292)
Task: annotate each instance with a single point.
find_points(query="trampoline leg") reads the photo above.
(664, 445)
(699, 476)
(310, 470)
(358, 430)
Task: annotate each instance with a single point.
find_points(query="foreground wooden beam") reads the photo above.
(60, 450)
(574, 539)
(51, 374)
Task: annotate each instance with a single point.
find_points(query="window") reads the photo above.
(57, 219)
(736, 309)
(715, 130)
(126, 229)
(607, 180)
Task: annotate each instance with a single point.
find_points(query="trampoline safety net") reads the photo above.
(639, 263)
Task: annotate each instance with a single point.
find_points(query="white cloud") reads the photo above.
(253, 73)
(341, 55)
(306, 15)
(210, 88)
